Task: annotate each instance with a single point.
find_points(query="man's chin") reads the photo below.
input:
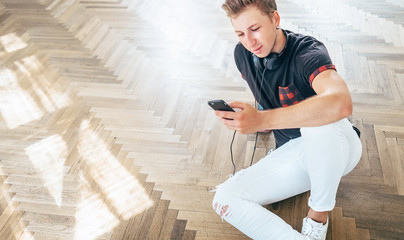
(260, 54)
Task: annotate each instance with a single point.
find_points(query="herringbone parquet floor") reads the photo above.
(106, 134)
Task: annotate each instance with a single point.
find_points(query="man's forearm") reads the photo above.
(315, 111)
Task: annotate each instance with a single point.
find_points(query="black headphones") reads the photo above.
(270, 62)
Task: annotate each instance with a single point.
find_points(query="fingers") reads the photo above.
(233, 115)
(239, 105)
(229, 123)
(226, 114)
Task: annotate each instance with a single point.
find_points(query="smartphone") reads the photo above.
(220, 105)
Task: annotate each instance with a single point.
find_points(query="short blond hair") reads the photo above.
(235, 7)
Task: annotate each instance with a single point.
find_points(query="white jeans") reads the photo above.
(315, 161)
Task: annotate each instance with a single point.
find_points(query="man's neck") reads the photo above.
(280, 41)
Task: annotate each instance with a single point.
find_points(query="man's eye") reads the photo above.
(255, 29)
(240, 35)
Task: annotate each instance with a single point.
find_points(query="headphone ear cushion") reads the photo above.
(272, 62)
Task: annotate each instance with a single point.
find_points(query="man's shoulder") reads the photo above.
(243, 59)
(307, 54)
(301, 42)
(299, 37)
(240, 51)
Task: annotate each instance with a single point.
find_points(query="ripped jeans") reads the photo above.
(315, 161)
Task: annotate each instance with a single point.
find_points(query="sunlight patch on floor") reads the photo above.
(48, 157)
(115, 195)
(16, 105)
(11, 43)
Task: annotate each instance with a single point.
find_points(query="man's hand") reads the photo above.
(247, 120)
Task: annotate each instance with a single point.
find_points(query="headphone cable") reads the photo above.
(231, 152)
(256, 135)
(255, 147)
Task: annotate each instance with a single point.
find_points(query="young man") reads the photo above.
(305, 104)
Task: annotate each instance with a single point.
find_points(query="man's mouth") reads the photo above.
(257, 49)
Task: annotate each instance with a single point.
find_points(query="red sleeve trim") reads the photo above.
(319, 70)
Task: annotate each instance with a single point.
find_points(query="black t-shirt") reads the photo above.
(302, 59)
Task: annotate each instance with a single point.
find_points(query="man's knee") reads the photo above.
(230, 194)
(221, 202)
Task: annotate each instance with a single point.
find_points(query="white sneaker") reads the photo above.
(314, 230)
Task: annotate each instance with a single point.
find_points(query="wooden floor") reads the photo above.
(106, 133)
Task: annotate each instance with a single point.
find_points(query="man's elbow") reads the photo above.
(346, 111)
(345, 108)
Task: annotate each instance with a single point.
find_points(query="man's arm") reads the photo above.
(332, 103)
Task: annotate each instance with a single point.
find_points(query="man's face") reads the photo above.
(256, 31)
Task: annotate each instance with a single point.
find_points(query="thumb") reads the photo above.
(239, 105)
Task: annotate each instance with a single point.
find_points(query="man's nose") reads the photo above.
(250, 40)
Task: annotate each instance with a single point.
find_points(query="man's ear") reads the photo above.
(276, 17)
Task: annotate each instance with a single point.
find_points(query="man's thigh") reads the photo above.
(277, 176)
